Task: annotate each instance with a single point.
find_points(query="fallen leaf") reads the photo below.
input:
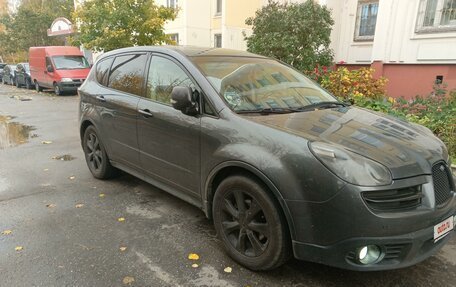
(128, 280)
(46, 169)
(121, 219)
(228, 269)
(195, 265)
(50, 205)
(46, 142)
(79, 205)
(72, 177)
(101, 195)
(123, 248)
(7, 232)
(193, 256)
(19, 248)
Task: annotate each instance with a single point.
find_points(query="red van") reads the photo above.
(61, 68)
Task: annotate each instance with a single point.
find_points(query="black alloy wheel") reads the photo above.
(96, 156)
(250, 223)
(37, 87)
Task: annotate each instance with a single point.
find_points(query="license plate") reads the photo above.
(443, 228)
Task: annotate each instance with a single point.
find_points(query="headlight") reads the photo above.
(66, 80)
(350, 166)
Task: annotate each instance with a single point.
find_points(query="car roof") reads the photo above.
(188, 51)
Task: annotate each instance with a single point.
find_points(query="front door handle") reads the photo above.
(101, 98)
(146, 113)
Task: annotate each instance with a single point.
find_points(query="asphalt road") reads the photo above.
(67, 222)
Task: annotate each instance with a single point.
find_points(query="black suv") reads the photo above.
(280, 165)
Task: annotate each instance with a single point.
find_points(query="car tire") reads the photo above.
(37, 87)
(250, 223)
(57, 90)
(96, 156)
(17, 84)
(28, 84)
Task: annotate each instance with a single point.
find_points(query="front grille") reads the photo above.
(394, 200)
(441, 177)
(393, 251)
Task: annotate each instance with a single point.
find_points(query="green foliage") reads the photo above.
(109, 25)
(296, 33)
(28, 27)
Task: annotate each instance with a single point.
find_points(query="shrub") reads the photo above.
(360, 83)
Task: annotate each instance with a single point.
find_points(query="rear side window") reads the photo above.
(127, 73)
(102, 71)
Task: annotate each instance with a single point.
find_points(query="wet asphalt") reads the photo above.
(66, 224)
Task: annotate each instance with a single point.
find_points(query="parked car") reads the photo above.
(22, 75)
(60, 68)
(8, 75)
(2, 65)
(280, 165)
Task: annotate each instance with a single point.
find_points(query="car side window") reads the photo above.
(127, 73)
(164, 75)
(102, 71)
(48, 62)
(207, 109)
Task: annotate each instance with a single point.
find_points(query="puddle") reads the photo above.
(13, 133)
(65, 157)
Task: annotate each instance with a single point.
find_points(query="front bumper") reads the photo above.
(330, 232)
(70, 86)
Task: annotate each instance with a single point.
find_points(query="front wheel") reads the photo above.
(28, 85)
(250, 223)
(57, 90)
(95, 155)
(17, 84)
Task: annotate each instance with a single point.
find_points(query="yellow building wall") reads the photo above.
(239, 10)
(216, 23)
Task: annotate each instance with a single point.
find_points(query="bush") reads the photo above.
(360, 83)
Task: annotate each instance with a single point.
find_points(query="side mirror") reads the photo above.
(182, 100)
(49, 69)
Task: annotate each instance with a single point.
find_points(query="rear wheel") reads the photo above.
(250, 224)
(17, 84)
(28, 85)
(95, 155)
(37, 87)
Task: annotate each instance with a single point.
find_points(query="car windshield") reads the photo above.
(26, 67)
(258, 84)
(70, 62)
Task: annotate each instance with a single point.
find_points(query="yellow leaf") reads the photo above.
(193, 256)
(123, 248)
(19, 248)
(128, 280)
(50, 205)
(79, 205)
(46, 142)
(72, 177)
(101, 195)
(228, 269)
(195, 265)
(46, 169)
(121, 219)
(7, 232)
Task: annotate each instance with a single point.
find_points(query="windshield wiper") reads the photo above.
(267, 111)
(323, 105)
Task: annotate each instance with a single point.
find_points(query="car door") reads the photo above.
(169, 141)
(118, 104)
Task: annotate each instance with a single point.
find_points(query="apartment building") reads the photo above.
(410, 42)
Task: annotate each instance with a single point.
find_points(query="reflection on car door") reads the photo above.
(120, 101)
(169, 141)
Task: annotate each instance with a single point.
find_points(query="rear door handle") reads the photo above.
(146, 113)
(101, 98)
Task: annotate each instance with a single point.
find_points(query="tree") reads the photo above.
(297, 33)
(107, 25)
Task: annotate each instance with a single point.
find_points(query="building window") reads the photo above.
(174, 37)
(218, 7)
(218, 40)
(437, 16)
(171, 3)
(366, 20)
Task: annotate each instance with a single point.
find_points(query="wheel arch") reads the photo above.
(229, 168)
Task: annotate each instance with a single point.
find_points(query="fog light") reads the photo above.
(369, 254)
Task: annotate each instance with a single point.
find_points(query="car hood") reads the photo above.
(406, 149)
(74, 74)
